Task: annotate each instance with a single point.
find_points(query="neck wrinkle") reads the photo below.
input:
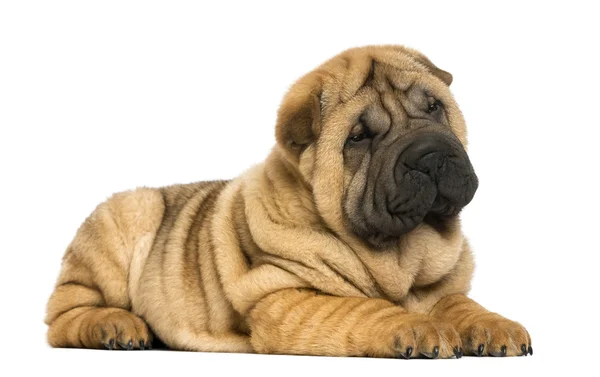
(291, 196)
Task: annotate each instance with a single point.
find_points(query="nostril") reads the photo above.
(426, 154)
(441, 163)
(429, 163)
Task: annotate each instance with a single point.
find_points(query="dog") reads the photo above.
(346, 241)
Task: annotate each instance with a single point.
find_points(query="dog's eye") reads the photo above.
(434, 105)
(359, 137)
(358, 134)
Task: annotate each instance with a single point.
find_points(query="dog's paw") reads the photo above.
(493, 335)
(120, 329)
(415, 335)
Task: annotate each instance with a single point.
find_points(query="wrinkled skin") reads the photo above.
(291, 257)
(406, 164)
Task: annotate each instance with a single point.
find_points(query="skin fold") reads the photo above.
(346, 241)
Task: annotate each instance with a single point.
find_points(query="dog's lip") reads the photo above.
(442, 208)
(393, 204)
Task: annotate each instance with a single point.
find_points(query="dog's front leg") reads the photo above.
(483, 332)
(301, 321)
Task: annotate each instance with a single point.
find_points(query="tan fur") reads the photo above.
(266, 262)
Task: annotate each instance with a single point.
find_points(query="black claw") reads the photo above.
(130, 345)
(110, 345)
(523, 350)
(408, 352)
(142, 346)
(149, 345)
(436, 352)
(530, 351)
(456, 352)
(480, 350)
(461, 352)
(503, 350)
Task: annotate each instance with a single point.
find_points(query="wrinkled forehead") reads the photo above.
(356, 81)
(382, 70)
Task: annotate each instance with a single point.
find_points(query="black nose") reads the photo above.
(426, 154)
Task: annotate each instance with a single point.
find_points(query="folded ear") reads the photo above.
(446, 77)
(299, 116)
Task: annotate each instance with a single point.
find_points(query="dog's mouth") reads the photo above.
(431, 177)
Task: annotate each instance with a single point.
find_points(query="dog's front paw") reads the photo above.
(493, 335)
(414, 335)
(119, 329)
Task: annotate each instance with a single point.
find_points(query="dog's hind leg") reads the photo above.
(91, 304)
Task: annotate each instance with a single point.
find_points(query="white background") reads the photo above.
(99, 97)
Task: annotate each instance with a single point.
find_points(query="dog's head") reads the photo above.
(378, 137)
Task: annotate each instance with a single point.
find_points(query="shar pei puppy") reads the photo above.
(346, 241)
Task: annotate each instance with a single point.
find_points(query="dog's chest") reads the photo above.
(423, 258)
(434, 263)
(428, 255)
